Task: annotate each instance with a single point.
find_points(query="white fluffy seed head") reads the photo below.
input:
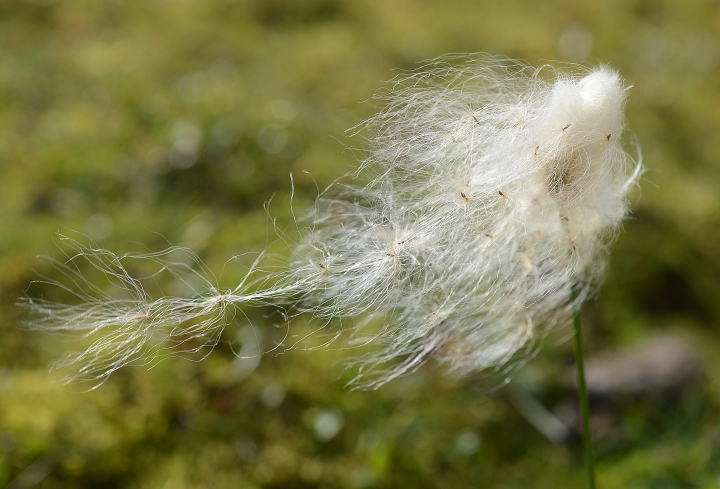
(498, 189)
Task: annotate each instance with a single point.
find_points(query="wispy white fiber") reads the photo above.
(495, 190)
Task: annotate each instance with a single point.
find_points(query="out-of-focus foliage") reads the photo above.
(157, 122)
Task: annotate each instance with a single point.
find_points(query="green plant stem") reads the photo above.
(583, 398)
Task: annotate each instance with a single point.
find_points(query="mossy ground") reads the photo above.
(96, 98)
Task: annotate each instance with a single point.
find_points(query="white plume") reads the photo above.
(498, 189)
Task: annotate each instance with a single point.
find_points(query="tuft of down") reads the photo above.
(496, 191)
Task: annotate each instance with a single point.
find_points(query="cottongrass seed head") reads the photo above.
(495, 192)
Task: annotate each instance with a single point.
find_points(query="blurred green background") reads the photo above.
(162, 122)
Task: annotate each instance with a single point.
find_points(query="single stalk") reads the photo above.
(583, 398)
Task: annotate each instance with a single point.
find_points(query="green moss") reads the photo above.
(92, 95)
